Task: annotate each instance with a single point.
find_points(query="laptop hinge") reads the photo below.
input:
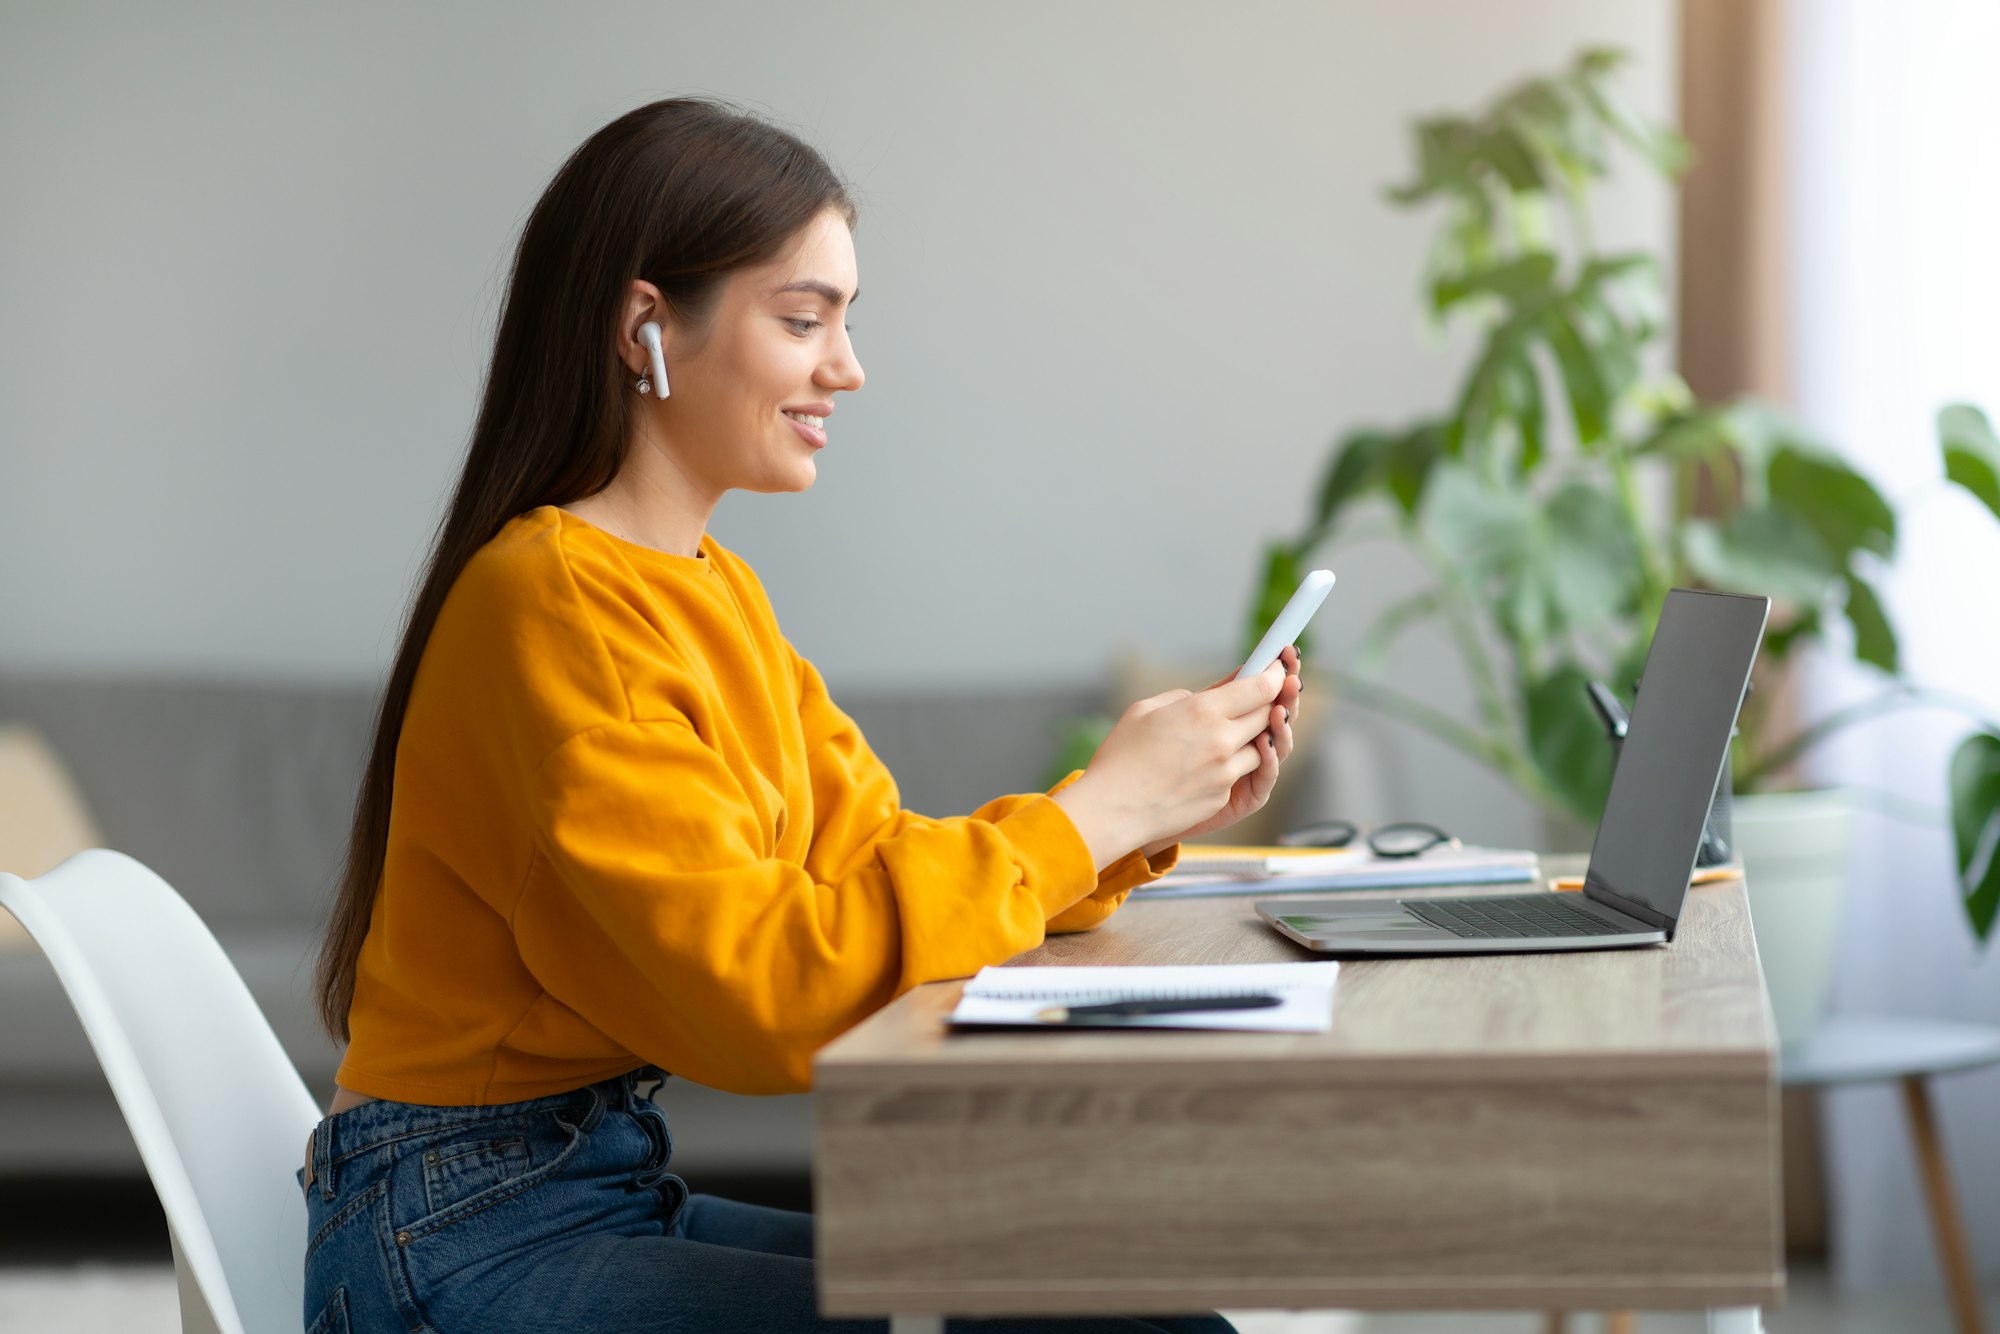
(1598, 892)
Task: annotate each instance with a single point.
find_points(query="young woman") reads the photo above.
(612, 826)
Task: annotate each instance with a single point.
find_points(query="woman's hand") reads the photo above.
(1251, 791)
(1185, 763)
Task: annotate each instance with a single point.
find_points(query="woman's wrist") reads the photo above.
(1106, 835)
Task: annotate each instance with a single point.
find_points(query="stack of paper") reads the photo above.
(1014, 996)
(1360, 869)
(1209, 859)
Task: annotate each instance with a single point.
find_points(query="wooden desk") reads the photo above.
(1579, 1131)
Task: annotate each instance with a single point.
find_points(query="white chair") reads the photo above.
(217, 1109)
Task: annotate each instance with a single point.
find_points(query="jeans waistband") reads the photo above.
(374, 1124)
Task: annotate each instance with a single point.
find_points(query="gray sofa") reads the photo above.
(239, 796)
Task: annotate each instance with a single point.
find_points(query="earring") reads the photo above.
(645, 386)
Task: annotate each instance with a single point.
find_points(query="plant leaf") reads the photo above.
(1661, 145)
(1971, 453)
(1444, 146)
(1515, 280)
(1613, 346)
(1487, 533)
(1528, 415)
(1697, 434)
(1597, 61)
(1616, 306)
(1409, 464)
(1570, 565)
(1510, 154)
(1594, 569)
(1567, 742)
(1483, 399)
(1753, 428)
(1846, 511)
(1874, 637)
(1356, 468)
(1606, 267)
(1975, 827)
(1497, 541)
(1800, 628)
(1633, 282)
(1769, 551)
(1561, 126)
(1588, 403)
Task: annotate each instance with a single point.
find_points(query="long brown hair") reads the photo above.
(680, 193)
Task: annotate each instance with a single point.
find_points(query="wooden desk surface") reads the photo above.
(1593, 1129)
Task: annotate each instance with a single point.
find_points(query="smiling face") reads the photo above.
(774, 351)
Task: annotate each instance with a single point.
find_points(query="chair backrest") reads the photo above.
(217, 1109)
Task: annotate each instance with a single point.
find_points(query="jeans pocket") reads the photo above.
(327, 1223)
(479, 1167)
(332, 1318)
(463, 1168)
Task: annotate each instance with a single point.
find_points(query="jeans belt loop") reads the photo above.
(654, 1075)
(321, 1169)
(598, 1107)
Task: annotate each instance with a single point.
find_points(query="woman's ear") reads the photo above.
(643, 305)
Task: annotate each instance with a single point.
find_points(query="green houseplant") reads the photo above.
(1565, 488)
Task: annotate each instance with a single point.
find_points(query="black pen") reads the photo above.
(1059, 1014)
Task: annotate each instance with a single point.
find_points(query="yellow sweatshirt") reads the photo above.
(630, 827)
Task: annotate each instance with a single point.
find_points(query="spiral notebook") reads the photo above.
(1012, 996)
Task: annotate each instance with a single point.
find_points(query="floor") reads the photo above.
(90, 1258)
(100, 1298)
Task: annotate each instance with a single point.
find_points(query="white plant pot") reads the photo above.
(1795, 849)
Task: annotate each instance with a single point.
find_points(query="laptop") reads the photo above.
(1697, 670)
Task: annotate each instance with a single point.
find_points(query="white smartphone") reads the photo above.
(1289, 624)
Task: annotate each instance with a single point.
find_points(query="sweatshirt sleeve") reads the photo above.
(654, 910)
(1114, 886)
(856, 803)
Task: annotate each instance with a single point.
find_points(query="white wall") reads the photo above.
(1126, 270)
(1895, 283)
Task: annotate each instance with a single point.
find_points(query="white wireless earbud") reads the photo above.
(649, 334)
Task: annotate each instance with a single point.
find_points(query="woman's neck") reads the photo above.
(650, 516)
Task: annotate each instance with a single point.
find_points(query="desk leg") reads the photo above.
(916, 1324)
(1734, 1320)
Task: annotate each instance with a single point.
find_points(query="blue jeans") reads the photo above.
(559, 1215)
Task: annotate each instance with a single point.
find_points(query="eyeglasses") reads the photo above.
(1404, 838)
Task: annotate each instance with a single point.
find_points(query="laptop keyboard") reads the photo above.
(1515, 917)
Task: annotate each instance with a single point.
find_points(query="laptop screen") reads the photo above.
(1696, 672)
